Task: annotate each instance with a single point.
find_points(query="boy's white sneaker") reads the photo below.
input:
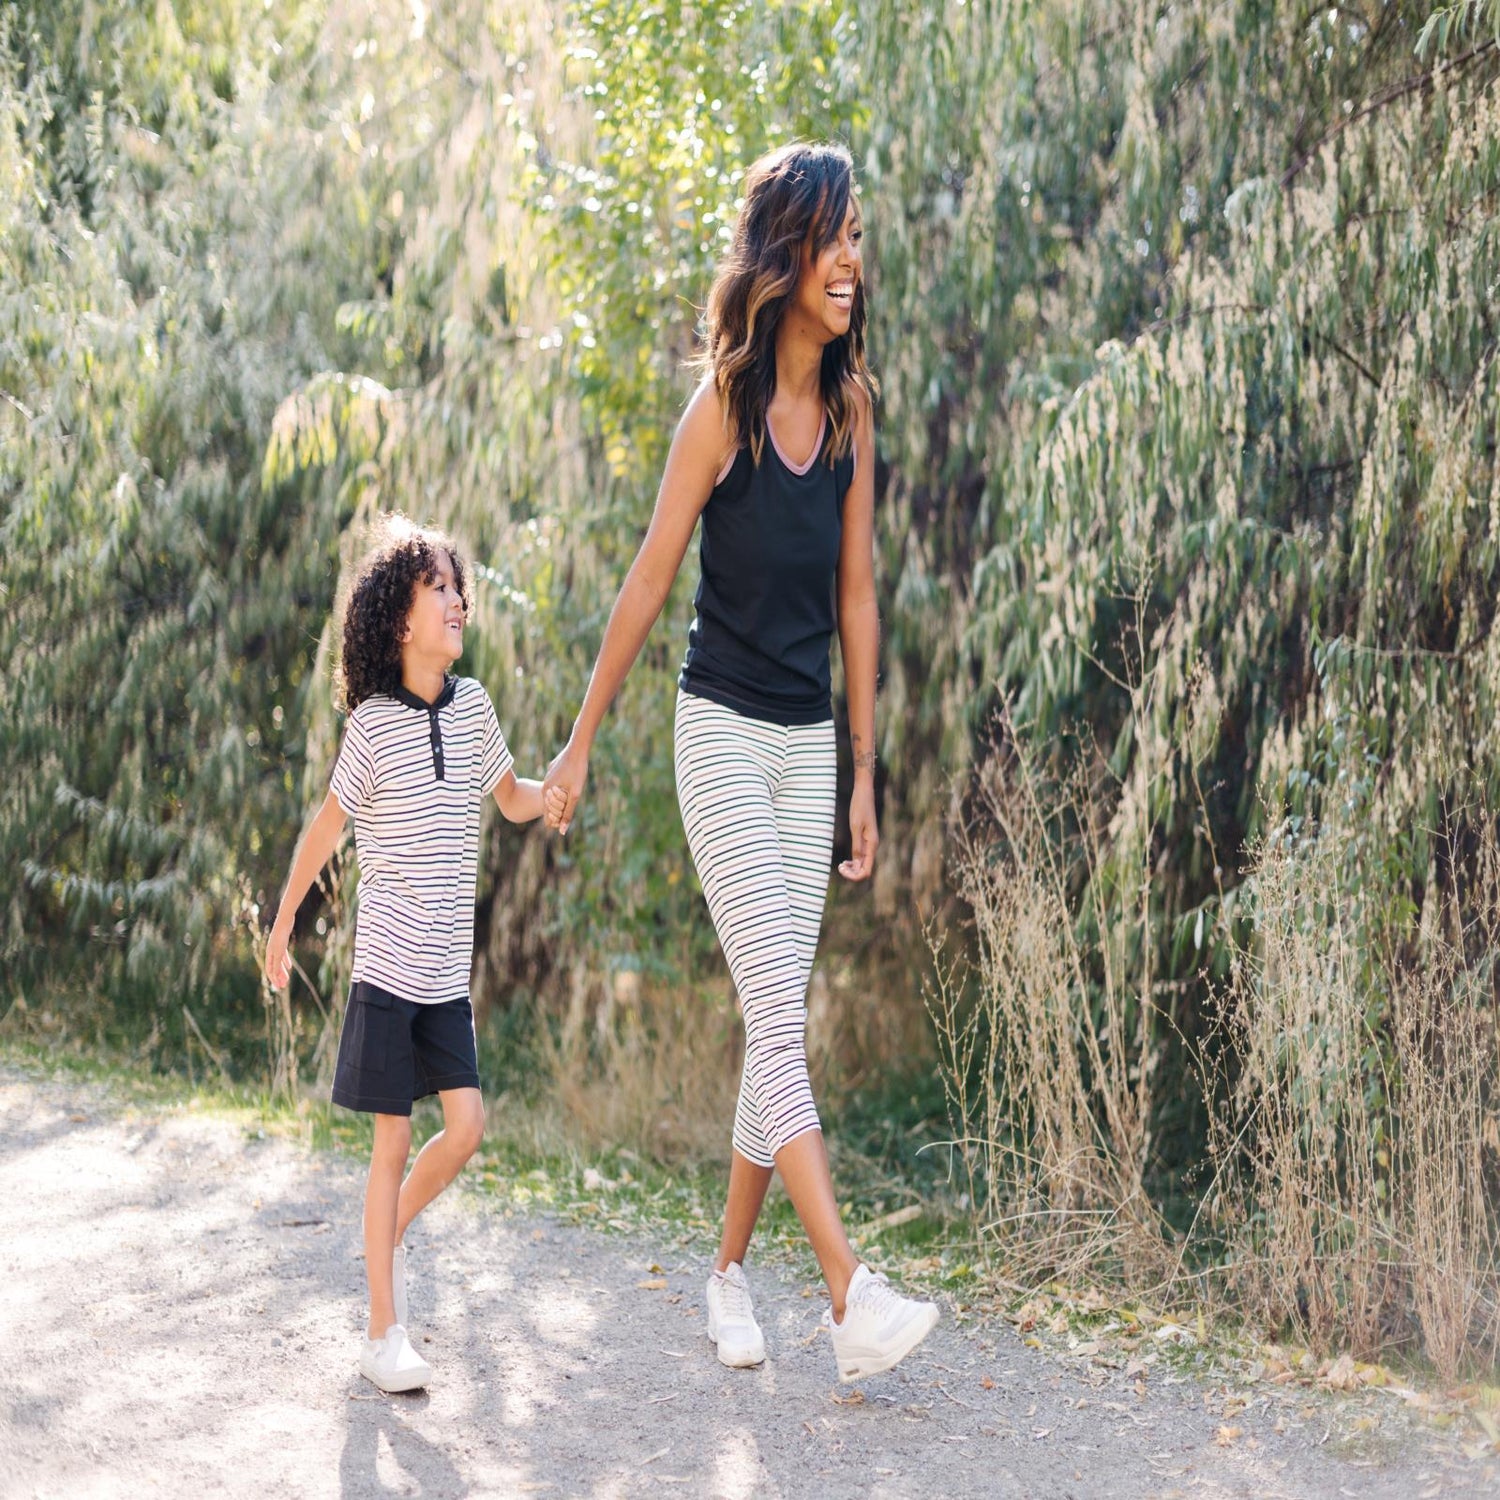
(398, 1284)
(731, 1319)
(880, 1327)
(392, 1364)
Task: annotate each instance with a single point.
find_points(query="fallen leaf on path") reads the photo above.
(1040, 1433)
(1340, 1375)
(1227, 1436)
(856, 1397)
(652, 1284)
(1175, 1333)
(986, 1383)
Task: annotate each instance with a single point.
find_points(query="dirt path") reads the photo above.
(180, 1310)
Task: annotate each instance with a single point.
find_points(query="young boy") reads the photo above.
(422, 750)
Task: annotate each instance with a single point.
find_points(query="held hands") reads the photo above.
(864, 834)
(563, 786)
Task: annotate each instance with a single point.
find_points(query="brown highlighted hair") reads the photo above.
(793, 195)
(403, 555)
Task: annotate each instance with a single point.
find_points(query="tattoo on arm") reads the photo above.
(864, 760)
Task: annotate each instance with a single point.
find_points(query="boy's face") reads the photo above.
(435, 626)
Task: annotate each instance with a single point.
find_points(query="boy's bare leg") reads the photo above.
(382, 1190)
(747, 1192)
(443, 1157)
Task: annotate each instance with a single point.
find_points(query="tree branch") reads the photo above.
(1391, 95)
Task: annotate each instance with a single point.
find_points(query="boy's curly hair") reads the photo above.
(379, 602)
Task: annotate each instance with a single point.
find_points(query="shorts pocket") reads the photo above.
(368, 1023)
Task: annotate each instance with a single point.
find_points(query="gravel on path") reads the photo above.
(182, 1304)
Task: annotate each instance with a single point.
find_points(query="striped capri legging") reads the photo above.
(757, 803)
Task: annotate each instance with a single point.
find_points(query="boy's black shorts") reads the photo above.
(393, 1051)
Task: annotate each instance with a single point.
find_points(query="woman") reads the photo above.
(776, 454)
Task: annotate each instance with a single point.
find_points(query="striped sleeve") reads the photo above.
(494, 755)
(354, 775)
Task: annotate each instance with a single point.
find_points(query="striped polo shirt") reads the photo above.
(414, 776)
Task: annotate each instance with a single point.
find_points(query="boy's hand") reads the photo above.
(554, 805)
(278, 960)
(567, 775)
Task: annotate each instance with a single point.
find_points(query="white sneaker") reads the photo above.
(731, 1319)
(880, 1327)
(392, 1364)
(398, 1284)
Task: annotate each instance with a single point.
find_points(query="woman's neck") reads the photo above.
(799, 367)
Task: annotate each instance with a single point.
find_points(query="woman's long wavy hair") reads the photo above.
(402, 556)
(793, 195)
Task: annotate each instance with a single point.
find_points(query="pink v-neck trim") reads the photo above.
(812, 457)
(723, 473)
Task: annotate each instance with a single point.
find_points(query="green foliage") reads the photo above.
(1190, 306)
(683, 98)
(148, 327)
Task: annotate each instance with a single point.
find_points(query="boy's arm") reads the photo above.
(520, 799)
(313, 852)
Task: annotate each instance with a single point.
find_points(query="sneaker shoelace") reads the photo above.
(878, 1294)
(734, 1296)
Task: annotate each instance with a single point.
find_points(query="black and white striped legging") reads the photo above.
(757, 802)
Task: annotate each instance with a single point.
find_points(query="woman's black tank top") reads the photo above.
(765, 604)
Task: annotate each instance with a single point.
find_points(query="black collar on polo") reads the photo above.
(434, 732)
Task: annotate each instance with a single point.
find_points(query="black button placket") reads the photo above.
(435, 736)
(432, 710)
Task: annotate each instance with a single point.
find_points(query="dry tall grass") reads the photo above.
(1355, 1094)
(1049, 1065)
(1358, 1181)
(1304, 1157)
(654, 1068)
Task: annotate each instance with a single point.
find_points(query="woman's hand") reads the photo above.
(566, 776)
(864, 834)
